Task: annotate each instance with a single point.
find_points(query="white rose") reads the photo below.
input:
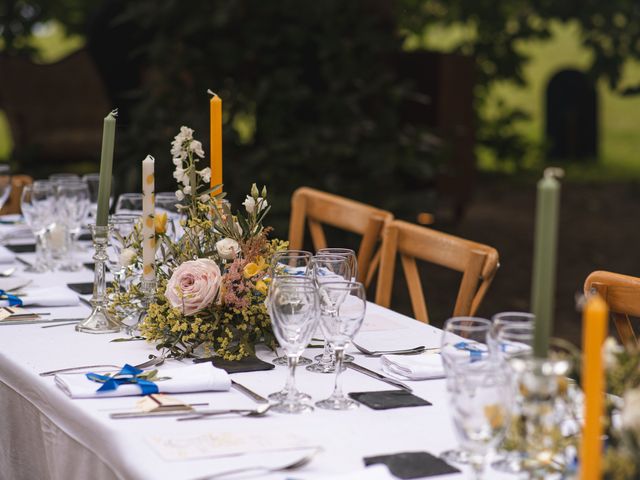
(126, 257)
(630, 415)
(228, 248)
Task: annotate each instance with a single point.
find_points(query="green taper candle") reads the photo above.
(106, 167)
(544, 259)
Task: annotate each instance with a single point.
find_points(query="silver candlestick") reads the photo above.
(100, 320)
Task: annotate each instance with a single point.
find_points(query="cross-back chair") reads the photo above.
(12, 204)
(317, 208)
(477, 262)
(622, 294)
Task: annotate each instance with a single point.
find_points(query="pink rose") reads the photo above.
(193, 285)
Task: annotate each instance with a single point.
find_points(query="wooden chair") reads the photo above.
(622, 294)
(317, 208)
(477, 262)
(12, 205)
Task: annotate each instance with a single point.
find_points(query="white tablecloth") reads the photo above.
(46, 434)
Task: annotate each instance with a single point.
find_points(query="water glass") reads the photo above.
(38, 208)
(480, 397)
(464, 340)
(168, 203)
(119, 250)
(5, 184)
(72, 203)
(130, 203)
(502, 319)
(342, 309)
(294, 307)
(347, 253)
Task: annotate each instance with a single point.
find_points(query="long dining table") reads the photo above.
(46, 434)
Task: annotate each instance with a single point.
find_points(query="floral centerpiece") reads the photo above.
(212, 279)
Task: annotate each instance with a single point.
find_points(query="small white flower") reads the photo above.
(262, 204)
(630, 414)
(186, 133)
(126, 257)
(610, 350)
(179, 174)
(205, 197)
(179, 195)
(196, 147)
(177, 161)
(205, 173)
(227, 248)
(249, 203)
(187, 190)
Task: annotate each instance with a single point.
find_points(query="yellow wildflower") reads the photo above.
(160, 221)
(253, 268)
(261, 286)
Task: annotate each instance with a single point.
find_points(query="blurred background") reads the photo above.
(446, 108)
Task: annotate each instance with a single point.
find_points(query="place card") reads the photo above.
(223, 444)
(413, 464)
(16, 313)
(160, 402)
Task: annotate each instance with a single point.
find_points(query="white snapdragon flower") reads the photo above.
(186, 132)
(227, 248)
(205, 173)
(179, 195)
(251, 203)
(196, 147)
(610, 350)
(187, 190)
(126, 257)
(179, 174)
(204, 197)
(177, 161)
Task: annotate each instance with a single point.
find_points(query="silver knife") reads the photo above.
(249, 393)
(378, 376)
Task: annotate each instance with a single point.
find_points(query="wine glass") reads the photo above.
(342, 309)
(5, 183)
(480, 396)
(349, 254)
(500, 320)
(290, 263)
(464, 340)
(37, 205)
(121, 229)
(129, 203)
(57, 178)
(294, 307)
(515, 342)
(73, 204)
(329, 268)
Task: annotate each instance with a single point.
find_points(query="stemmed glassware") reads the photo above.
(342, 309)
(167, 202)
(290, 263)
(121, 231)
(72, 200)
(326, 269)
(37, 204)
(464, 340)
(129, 203)
(502, 319)
(347, 253)
(294, 307)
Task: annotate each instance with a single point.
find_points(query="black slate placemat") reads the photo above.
(387, 399)
(248, 364)
(22, 248)
(413, 464)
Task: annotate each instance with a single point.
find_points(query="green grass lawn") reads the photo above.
(619, 116)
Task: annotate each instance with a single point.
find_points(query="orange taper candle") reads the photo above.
(215, 109)
(594, 327)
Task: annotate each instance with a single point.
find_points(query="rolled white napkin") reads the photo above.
(201, 377)
(46, 297)
(6, 255)
(414, 367)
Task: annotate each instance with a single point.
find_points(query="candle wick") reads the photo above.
(211, 92)
(553, 172)
(114, 112)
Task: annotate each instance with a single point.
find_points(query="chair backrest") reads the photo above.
(477, 262)
(622, 294)
(317, 208)
(12, 204)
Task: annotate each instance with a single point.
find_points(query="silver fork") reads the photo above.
(149, 363)
(291, 465)
(403, 351)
